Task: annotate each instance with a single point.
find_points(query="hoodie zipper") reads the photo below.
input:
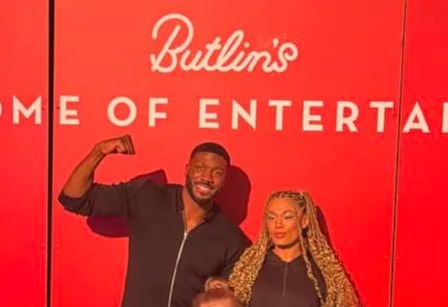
(179, 254)
(285, 273)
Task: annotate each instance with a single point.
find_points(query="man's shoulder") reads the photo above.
(154, 183)
(171, 187)
(229, 228)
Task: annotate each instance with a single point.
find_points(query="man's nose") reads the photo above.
(208, 176)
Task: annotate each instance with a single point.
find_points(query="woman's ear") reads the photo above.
(305, 222)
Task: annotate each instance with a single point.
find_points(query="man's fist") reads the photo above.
(121, 145)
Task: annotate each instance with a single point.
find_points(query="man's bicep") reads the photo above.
(234, 253)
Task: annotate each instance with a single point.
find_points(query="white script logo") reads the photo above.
(232, 54)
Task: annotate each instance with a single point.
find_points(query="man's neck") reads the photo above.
(194, 213)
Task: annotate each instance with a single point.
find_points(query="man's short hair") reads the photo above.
(213, 148)
(216, 295)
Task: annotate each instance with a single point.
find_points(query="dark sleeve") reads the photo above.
(235, 250)
(105, 200)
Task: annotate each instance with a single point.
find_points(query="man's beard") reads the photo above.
(202, 202)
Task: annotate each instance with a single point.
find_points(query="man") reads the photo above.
(177, 237)
(216, 297)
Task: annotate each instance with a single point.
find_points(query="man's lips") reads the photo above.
(203, 188)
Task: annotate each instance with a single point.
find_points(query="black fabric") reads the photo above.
(282, 284)
(156, 231)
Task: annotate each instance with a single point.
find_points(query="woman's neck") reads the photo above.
(288, 254)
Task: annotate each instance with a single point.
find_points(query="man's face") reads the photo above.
(205, 176)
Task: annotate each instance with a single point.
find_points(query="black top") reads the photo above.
(286, 284)
(162, 259)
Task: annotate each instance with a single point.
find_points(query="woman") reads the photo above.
(291, 264)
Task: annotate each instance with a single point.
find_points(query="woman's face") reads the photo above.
(285, 221)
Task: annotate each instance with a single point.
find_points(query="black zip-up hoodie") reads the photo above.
(282, 284)
(166, 267)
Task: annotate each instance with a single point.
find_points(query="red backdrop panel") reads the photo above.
(23, 163)
(421, 255)
(347, 51)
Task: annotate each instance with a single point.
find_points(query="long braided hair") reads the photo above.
(340, 291)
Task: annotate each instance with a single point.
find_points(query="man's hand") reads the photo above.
(121, 145)
(216, 283)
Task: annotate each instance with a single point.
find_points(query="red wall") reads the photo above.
(421, 255)
(379, 207)
(23, 163)
(342, 57)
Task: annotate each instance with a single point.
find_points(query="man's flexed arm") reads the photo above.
(79, 193)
